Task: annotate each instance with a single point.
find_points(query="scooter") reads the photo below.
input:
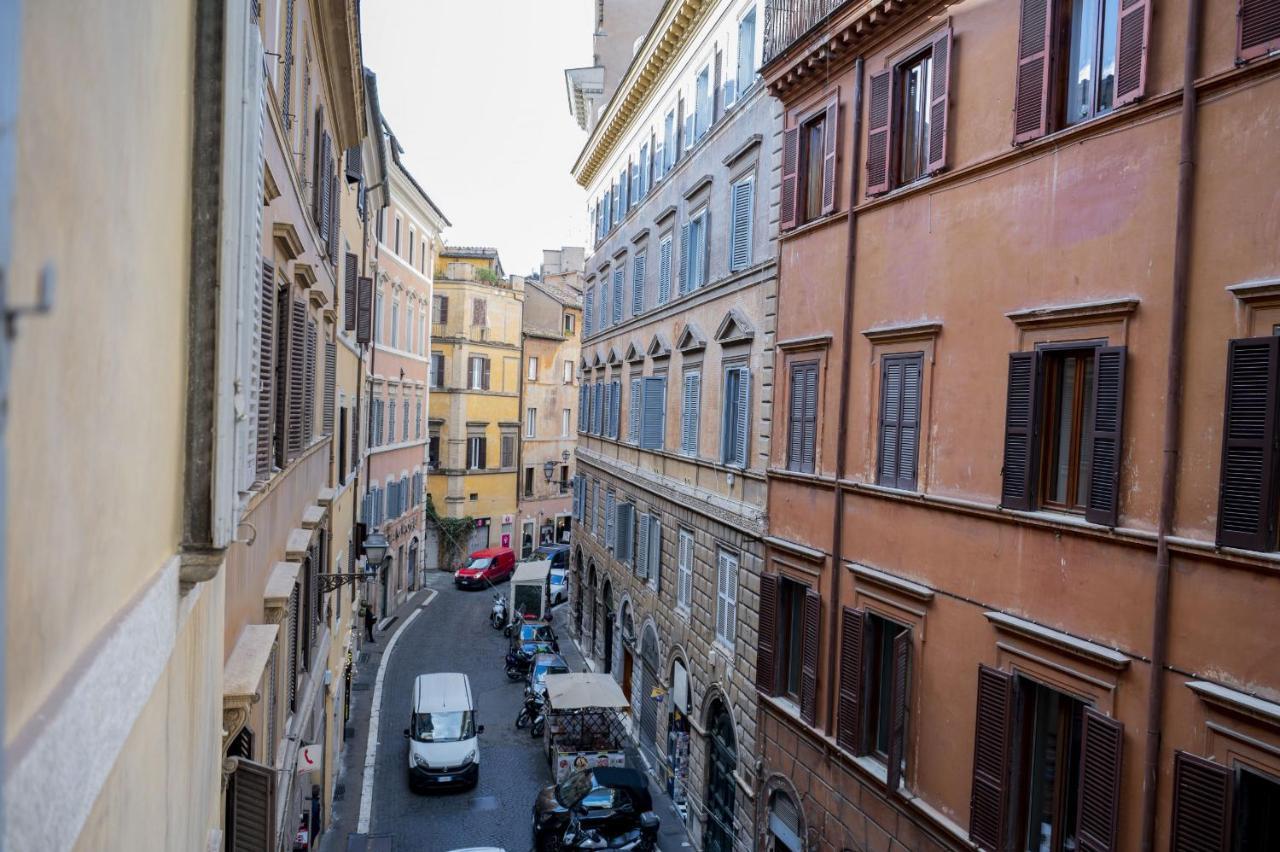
(533, 713)
(518, 665)
(498, 616)
(642, 839)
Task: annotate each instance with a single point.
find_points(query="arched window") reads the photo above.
(722, 761)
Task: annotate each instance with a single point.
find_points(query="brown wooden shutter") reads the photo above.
(878, 123)
(335, 205)
(444, 310)
(1031, 89)
(898, 697)
(297, 380)
(767, 641)
(989, 799)
(309, 386)
(1020, 428)
(938, 97)
(484, 377)
(317, 164)
(1257, 28)
(809, 657)
(1247, 485)
(1101, 753)
(330, 385)
(830, 153)
(795, 418)
(286, 93)
(364, 309)
(1108, 435)
(717, 98)
(350, 291)
(790, 175)
(355, 437)
(1201, 803)
(1131, 50)
(251, 823)
(849, 721)
(322, 188)
(266, 369)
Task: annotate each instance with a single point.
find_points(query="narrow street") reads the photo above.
(451, 633)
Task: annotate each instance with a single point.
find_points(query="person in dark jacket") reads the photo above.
(369, 622)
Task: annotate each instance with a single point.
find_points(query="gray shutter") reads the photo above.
(625, 531)
(642, 546)
(350, 290)
(617, 409)
(891, 370)
(637, 285)
(740, 226)
(689, 414)
(633, 412)
(330, 384)
(610, 519)
(664, 272)
(267, 331)
(364, 309)
(297, 380)
(653, 418)
(742, 423)
(619, 274)
(251, 807)
(685, 283)
(654, 546)
(286, 95)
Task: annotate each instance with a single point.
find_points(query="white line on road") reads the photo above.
(375, 711)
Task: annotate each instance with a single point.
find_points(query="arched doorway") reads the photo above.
(722, 759)
(607, 597)
(592, 619)
(648, 703)
(386, 584)
(579, 577)
(413, 563)
(624, 666)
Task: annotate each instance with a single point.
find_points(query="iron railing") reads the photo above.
(785, 21)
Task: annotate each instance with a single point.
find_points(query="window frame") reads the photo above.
(727, 594)
(1052, 354)
(531, 422)
(804, 173)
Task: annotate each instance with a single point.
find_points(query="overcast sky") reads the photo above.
(475, 92)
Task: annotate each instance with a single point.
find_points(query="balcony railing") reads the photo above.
(785, 21)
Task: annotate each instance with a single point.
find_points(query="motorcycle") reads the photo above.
(518, 665)
(642, 839)
(498, 616)
(533, 714)
(511, 625)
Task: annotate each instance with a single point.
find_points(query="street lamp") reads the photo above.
(548, 469)
(375, 550)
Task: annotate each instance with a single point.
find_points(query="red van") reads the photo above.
(486, 567)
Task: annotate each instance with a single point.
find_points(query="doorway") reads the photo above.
(722, 760)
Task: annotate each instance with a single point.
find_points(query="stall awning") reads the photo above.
(533, 572)
(578, 691)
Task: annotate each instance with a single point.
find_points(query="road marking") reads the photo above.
(375, 713)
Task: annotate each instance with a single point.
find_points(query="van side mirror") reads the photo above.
(406, 733)
(480, 730)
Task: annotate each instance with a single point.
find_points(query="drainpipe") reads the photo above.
(1172, 424)
(846, 358)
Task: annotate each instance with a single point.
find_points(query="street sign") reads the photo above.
(309, 757)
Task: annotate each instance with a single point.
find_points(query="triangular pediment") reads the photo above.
(658, 347)
(612, 359)
(597, 362)
(691, 339)
(634, 352)
(734, 328)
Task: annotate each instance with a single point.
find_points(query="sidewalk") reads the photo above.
(346, 797)
(672, 835)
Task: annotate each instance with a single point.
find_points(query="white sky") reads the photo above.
(475, 92)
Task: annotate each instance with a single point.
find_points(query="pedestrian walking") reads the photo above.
(368, 621)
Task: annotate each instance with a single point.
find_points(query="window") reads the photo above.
(433, 452)
(633, 195)
(693, 252)
(615, 406)
(377, 319)
(664, 270)
(397, 245)
(412, 242)
(815, 133)
(531, 422)
(1063, 430)
(479, 312)
(566, 418)
(684, 570)
(900, 377)
(508, 451)
(623, 191)
(409, 326)
(617, 203)
(533, 368)
(395, 322)
(587, 305)
(605, 308)
(437, 369)
(476, 452)
(653, 415)
(568, 324)
(644, 172)
(726, 597)
(689, 413)
(637, 284)
(478, 372)
(634, 406)
(648, 548)
(440, 309)
(791, 598)
(422, 332)
(568, 372)
(1096, 56)
(736, 434)
(1049, 742)
(610, 517)
(618, 273)
(742, 198)
(746, 51)
(702, 104)
(914, 80)
(528, 482)
(391, 422)
(802, 417)
(878, 652)
(417, 419)
(907, 117)
(1248, 475)
(668, 142)
(809, 151)
(404, 428)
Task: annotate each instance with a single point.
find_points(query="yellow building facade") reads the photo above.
(474, 427)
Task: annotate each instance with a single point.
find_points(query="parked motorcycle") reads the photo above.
(498, 616)
(518, 664)
(642, 839)
(533, 714)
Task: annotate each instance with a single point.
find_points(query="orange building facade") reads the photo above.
(1018, 593)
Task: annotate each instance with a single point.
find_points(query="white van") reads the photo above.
(444, 749)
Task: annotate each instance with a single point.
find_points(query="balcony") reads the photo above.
(786, 21)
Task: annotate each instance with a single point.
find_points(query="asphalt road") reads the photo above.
(453, 634)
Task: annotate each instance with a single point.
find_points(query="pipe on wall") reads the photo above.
(846, 361)
(1172, 424)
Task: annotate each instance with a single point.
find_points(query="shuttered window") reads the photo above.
(988, 802)
(610, 518)
(309, 385)
(802, 417)
(653, 418)
(767, 638)
(900, 379)
(1257, 29)
(350, 288)
(267, 331)
(364, 310)
(634, 407)
(689, 413)
(726, 597)
(1247, 502)
(848, 710)
(618, 275)
(637, 284)
(583, 390)
(1201, 802)
(508, 451)
(625, 532)
(251, 806)
(479, 311)
(642, 547)
(736, 431)
(391, 422)
(741, 200)
(476, 453)
(297, 376)
(615, 408)
(1064, 436)
(809, 657)
(684, 569)
(404, 420)
(330, 385)
(664, 270)
(693, 252)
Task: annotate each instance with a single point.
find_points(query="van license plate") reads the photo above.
(444, 779)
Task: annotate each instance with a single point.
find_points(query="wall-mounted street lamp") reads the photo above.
(375, 551)
(548, 469)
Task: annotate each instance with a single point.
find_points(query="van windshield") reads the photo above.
(481, 564)
(443, 727)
